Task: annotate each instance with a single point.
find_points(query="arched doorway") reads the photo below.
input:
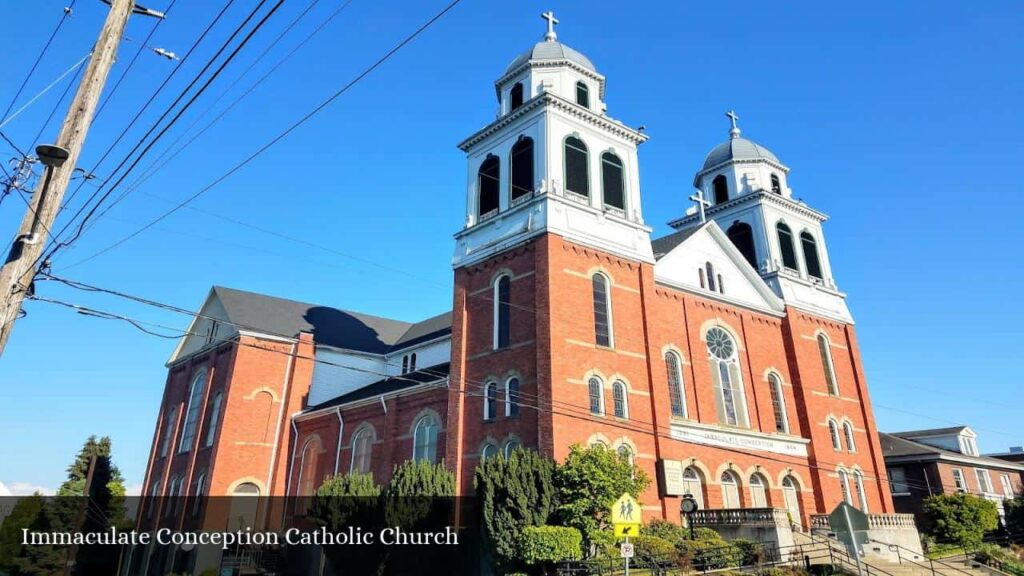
(791, 496)
(244, 506)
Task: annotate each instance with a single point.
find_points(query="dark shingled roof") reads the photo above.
(388, 385)
(895, 447)
(329, 326)
(930, 432)
(665, 244)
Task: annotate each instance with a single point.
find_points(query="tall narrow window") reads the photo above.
(602, 311)
(362, 449)
(154, 491)
(173, 495)
(625, 453)
(862, 496)
(786, 246)
(515, 97)
(742, 236)
(612, 181)
(810, 246)
(170, 422)
(577, 179)
(198, 494)
(596, 393)
(502, 312)
(825, 351)
(488, 185)
(776, 184)
(700, 274)
(758, 491)
(844, 487)
(405, 364)
(213, 418)
(725, 375)
(730, 490)
(711, 275)
(491, 401)
(510, 447)
(412, 362)
(984, 480)
(512, 397)
(721, 189)
(833, 434)
(778, 403)
(620, 399)
(522, 168)
(851, 445)
(425, 439)
(1004, 479)
(898, 481)
(488, 451)
(692, 485)
(582, 95)
(959, 482)
(195, 404)
(676, 394)
(309, 466)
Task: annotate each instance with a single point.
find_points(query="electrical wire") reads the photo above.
(28, 104)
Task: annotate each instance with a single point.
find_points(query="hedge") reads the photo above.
(550, 544)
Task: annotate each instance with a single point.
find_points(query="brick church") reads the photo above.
(721, 358)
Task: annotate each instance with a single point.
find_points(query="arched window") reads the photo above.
(488, 184)
(721, 189)
(596, 391)
(700, 273)
(625, 453)
(851, 445)
(725, 376)
(309, 466)
(710, 275)
(844, 487)
(721, 285)
(621, 402)
(170, 422)
(154, 491)
(502, 311)
(778, 403)
(612, 181)
(491, 401)
(758, 491)
(742, 236)
(825, 350)
(488, 451)
(577, 179)
(833, 433)
(582, 95)
(521, 168)
(412, 362)
(362, 450)
(510, 447)
(862, 496)
(786, 246)
(512, 397)
(173, 496)
(405, 364)
(602, 310)
(692, 484)
(425, 439)
(213, 418)
(730, 490)
(810, 246)
(195, 404)
(515, 96)
(790, 493)
(676, 393)
(197, 496)
(776, 184)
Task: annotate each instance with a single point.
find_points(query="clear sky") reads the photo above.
(901, 120)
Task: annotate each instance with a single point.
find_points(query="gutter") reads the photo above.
(341, 433)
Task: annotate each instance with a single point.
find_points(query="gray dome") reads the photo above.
(738, 149)
(551, 50)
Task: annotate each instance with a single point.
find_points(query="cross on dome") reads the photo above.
(735, 132)
(550, 17)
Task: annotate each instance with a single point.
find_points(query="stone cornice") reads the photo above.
(751, 197)
(548, 99)
(550, 64)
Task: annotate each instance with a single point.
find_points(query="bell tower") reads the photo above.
(744, 188)
(552, 161)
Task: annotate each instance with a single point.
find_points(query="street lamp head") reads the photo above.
(52, 156)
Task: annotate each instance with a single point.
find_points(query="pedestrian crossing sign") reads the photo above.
(626, 510)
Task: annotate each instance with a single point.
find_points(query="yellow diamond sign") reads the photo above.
(626, 510)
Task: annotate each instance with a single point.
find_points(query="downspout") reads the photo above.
(291, 461)
(341, 432)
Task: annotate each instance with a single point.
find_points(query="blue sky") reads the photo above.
(900, 120)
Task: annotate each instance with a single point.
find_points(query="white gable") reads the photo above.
(212, 316)
(743, 286)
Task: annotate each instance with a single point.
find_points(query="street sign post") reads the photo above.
(626, 522)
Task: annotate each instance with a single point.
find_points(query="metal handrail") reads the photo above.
(931, 561)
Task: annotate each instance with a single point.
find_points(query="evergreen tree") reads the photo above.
(514, 494)
(350, 500)
(23, 515)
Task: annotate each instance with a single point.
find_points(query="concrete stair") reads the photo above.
(880, 561)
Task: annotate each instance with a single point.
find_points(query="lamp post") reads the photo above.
(688, 506)
(51, 157)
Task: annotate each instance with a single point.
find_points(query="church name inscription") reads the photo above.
(733, 440)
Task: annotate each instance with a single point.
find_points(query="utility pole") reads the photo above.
(19, 268)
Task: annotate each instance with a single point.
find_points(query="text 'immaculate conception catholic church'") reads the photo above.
(721, 358)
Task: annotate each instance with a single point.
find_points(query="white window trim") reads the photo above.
(625, 399)
(488, 415)
(958, 474)
(775, 381)
(986, 479)
(508, 394)
(364, 432)
(837, 437)
(182, 447)
(600, 396)
(496, 306)
(681, 384)
(416, 434)
(200, 488)
(851, 441)
(830, 364)
(608, 306)
(862, 495)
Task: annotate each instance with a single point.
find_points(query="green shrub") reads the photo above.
(546, 545)
(652, 551)
(704, 534)
(703, 555)
(750, 552)
(665, 530)
(960, 518)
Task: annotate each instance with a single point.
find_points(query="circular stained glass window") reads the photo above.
(720, 344)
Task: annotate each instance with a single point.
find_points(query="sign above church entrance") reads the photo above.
(712, 436)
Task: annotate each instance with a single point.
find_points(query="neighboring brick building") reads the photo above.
(922, 463)
(721, 358)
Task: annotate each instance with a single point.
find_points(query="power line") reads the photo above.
(46, 46)
(277, 138)
(76, 65)
(57, 104)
